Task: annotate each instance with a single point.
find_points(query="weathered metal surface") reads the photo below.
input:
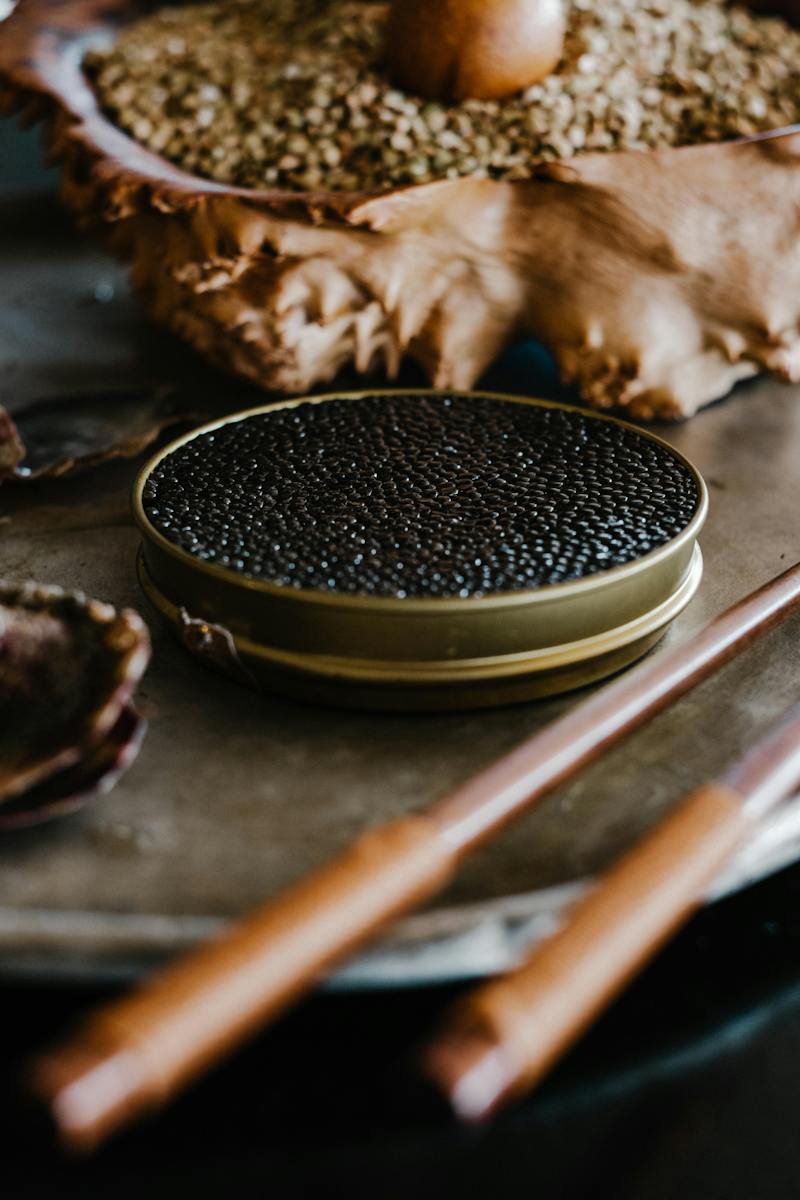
(235, 795)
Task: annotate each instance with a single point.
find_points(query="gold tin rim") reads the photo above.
(548, 658)
(417, 605)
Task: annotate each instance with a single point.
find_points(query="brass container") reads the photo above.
(420, 653)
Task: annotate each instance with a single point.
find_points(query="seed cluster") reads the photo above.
(420, 496)
(292, 93)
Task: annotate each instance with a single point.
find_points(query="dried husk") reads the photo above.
(68, 670)
(656, 279)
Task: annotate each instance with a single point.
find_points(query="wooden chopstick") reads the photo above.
(504, 1037)
(138, 1052)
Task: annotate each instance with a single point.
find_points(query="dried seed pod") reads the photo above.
(68, 668)
(486, 49)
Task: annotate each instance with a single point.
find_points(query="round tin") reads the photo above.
(429, 653)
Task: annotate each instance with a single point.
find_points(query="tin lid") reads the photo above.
(601, 515)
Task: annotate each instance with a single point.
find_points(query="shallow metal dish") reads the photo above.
(422, 654)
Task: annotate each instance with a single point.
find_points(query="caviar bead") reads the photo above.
(412, 496)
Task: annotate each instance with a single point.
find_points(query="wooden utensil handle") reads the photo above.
(136, 1053)
(533, 1014)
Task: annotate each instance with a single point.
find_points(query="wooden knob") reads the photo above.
(481, 49)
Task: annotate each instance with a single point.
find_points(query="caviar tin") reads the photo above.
(379, 642)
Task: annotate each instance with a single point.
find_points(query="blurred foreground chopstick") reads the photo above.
(504, 1037)
(137, 1053)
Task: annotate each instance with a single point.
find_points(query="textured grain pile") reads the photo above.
(291, 93)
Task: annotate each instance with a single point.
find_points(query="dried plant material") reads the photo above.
(294, 94)
(657, 280)
(94, 775)
(683, 277)
(68, 669)
(67, 434)
(11, 449)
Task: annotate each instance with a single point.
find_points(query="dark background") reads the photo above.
(686, 1089)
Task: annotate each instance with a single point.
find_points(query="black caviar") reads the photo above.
(420, 496)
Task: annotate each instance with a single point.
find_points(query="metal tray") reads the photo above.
(235, 795)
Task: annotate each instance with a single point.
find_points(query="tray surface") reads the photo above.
(233, 795)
